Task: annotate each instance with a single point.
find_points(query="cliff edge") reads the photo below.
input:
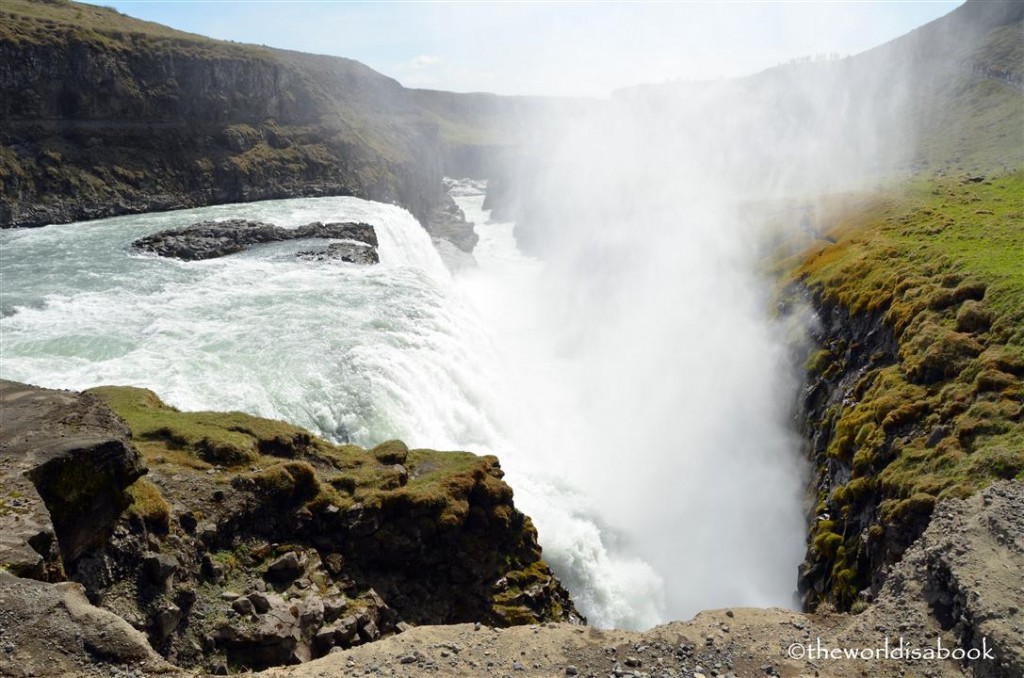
(250, 543)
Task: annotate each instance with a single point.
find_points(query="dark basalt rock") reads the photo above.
(448, 222)
(859, 343)
(212, 239)
(350, 252)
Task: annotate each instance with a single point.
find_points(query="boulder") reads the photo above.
(272, 639)
(285, 568)
(160, 567)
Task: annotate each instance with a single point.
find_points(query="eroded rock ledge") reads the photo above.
(212, 239)
(958, 587)
(252, 543)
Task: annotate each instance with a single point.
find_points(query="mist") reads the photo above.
(655, 380)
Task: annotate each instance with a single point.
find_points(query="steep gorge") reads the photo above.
(913, 388)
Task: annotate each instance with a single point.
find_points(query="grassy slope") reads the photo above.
(459, 119)
(44, 22)
(943, 259)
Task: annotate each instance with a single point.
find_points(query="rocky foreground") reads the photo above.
(959, 588)
(221, 541)
(250, 544)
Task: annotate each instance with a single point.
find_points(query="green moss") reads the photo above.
(511, 602)
(818, 362)
(149, 506)
(826, 542)
(289, 483)
(940, 258)
(391, 452)
(224, 438)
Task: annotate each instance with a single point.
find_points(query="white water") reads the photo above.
(485, 362)
(359, 353)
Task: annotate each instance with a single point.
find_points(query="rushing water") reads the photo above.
(640, 522)
(355, 353)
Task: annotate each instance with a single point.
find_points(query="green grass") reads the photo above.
(943, 260)
(45, 22)
(295, 466)
(224, 438)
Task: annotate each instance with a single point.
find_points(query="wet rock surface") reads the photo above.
(350, 252)
(446, 221)
(212, 239)
(857, 345)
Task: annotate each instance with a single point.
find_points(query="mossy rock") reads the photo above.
(936, 353)
(973, 317)
(223, 438)
(391, 452)
(287, 484)
(943, 418)
(149, 506)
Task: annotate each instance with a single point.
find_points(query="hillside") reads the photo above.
(104, 114)
(946, 98)
(913, 391)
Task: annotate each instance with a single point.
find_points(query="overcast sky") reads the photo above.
(555, 48)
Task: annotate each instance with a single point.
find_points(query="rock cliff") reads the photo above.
(251, 543)
(65, 462)
(102, 114)
(913, 390)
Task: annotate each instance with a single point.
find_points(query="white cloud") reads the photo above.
(424, 61)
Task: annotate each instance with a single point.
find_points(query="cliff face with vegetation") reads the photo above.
(914, 391)
(251, 543)
(102, 114)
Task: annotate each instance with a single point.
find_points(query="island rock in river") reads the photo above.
(212, 239)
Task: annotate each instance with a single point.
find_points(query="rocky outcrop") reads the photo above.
(212, 239)
(65, 461)
(251, 543)
(447, 222)
(957, 592)
(967, 566)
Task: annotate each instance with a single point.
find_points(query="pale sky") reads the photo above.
(552, 48)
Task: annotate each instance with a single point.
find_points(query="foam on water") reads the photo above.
(354, 353)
